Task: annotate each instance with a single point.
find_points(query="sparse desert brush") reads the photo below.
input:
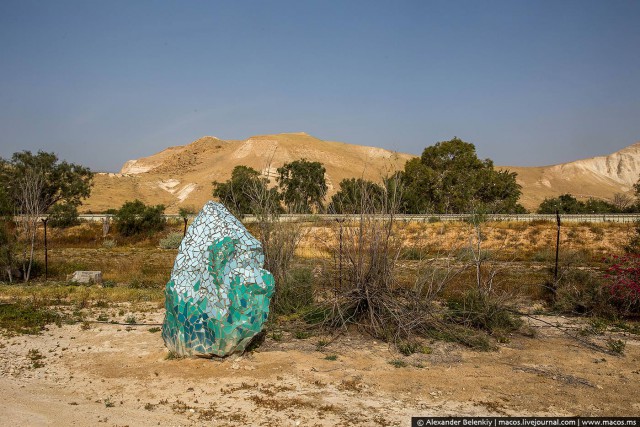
(171, 241)
(26, 317)
(86, 234)
(64, 294)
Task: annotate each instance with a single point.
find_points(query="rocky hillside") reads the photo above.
(182, 175)
(600, 177)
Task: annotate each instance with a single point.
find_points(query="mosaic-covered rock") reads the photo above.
(218, 297)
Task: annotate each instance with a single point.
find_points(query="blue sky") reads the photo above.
(528, 82)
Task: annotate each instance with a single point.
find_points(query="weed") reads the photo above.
(483, 311)
(109, 243)
(131, 319)
(36, 358)
(397, 363)
(102, 318)
(149, 406)
(172, 241)
(321, 344)
(26, 318)
(108, 403)
(277, 335)
(414, 254)
(331, 357)
(302, 335)
(408, 348)
(352, 384)
(616, 346)
(172, 356)
(154, 329)
(295, 293)
(580, 291)
(626, 327)
(86, 325)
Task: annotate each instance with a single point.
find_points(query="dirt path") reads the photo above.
(118, 375)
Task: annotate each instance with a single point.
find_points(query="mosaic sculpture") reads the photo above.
(218, 297)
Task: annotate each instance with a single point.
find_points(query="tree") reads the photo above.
(600, 206)
(32, 184)
(565, 204)
(7, 237)
(302, 185)
(241, 192)
(136, 218)
(622, 202)
(63, 215)
(61, 182)
(449, 178)
(357, 196)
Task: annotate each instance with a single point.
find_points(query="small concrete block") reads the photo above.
(86, 277)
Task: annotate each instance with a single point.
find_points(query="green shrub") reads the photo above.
(295, 294)
(482, 311)
(137, 218)
(109, 243)
(581, 291)
(414, 254)
(172, 241)
(63, 215)
(543, 255)
(7, 251)
(397, 363)
(408, 348)
(37, 269)
(616, 346)
(26, 318)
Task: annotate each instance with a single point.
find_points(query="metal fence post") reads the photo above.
(555, 271)
(46, 255)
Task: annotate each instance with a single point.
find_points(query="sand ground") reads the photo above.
(117, 375)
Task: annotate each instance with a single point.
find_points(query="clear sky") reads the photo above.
(528, 82)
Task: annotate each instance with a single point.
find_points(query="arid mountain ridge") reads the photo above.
(182, 175)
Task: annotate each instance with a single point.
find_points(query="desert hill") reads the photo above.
(598, 177)
(182, 175)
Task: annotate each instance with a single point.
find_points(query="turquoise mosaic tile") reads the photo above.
(218, 297)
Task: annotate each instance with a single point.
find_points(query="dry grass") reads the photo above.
(63, 294)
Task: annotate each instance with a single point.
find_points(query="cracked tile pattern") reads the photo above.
(218, 296)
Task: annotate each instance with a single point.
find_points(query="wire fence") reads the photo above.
(592, 218)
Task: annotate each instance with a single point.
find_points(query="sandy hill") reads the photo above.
(599, 177)
(182, 175)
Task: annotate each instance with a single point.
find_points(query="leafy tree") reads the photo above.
(136, 218)
(302, 185)
(31, 185)
(63, 215)
(636, 189)
(241, 193)
(186, 211)
(62, 182)
(449, 178)
(568, 204)
(600, 206)
(357, 196)
(565, 203)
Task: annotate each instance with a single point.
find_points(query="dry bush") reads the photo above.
(279, 242)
